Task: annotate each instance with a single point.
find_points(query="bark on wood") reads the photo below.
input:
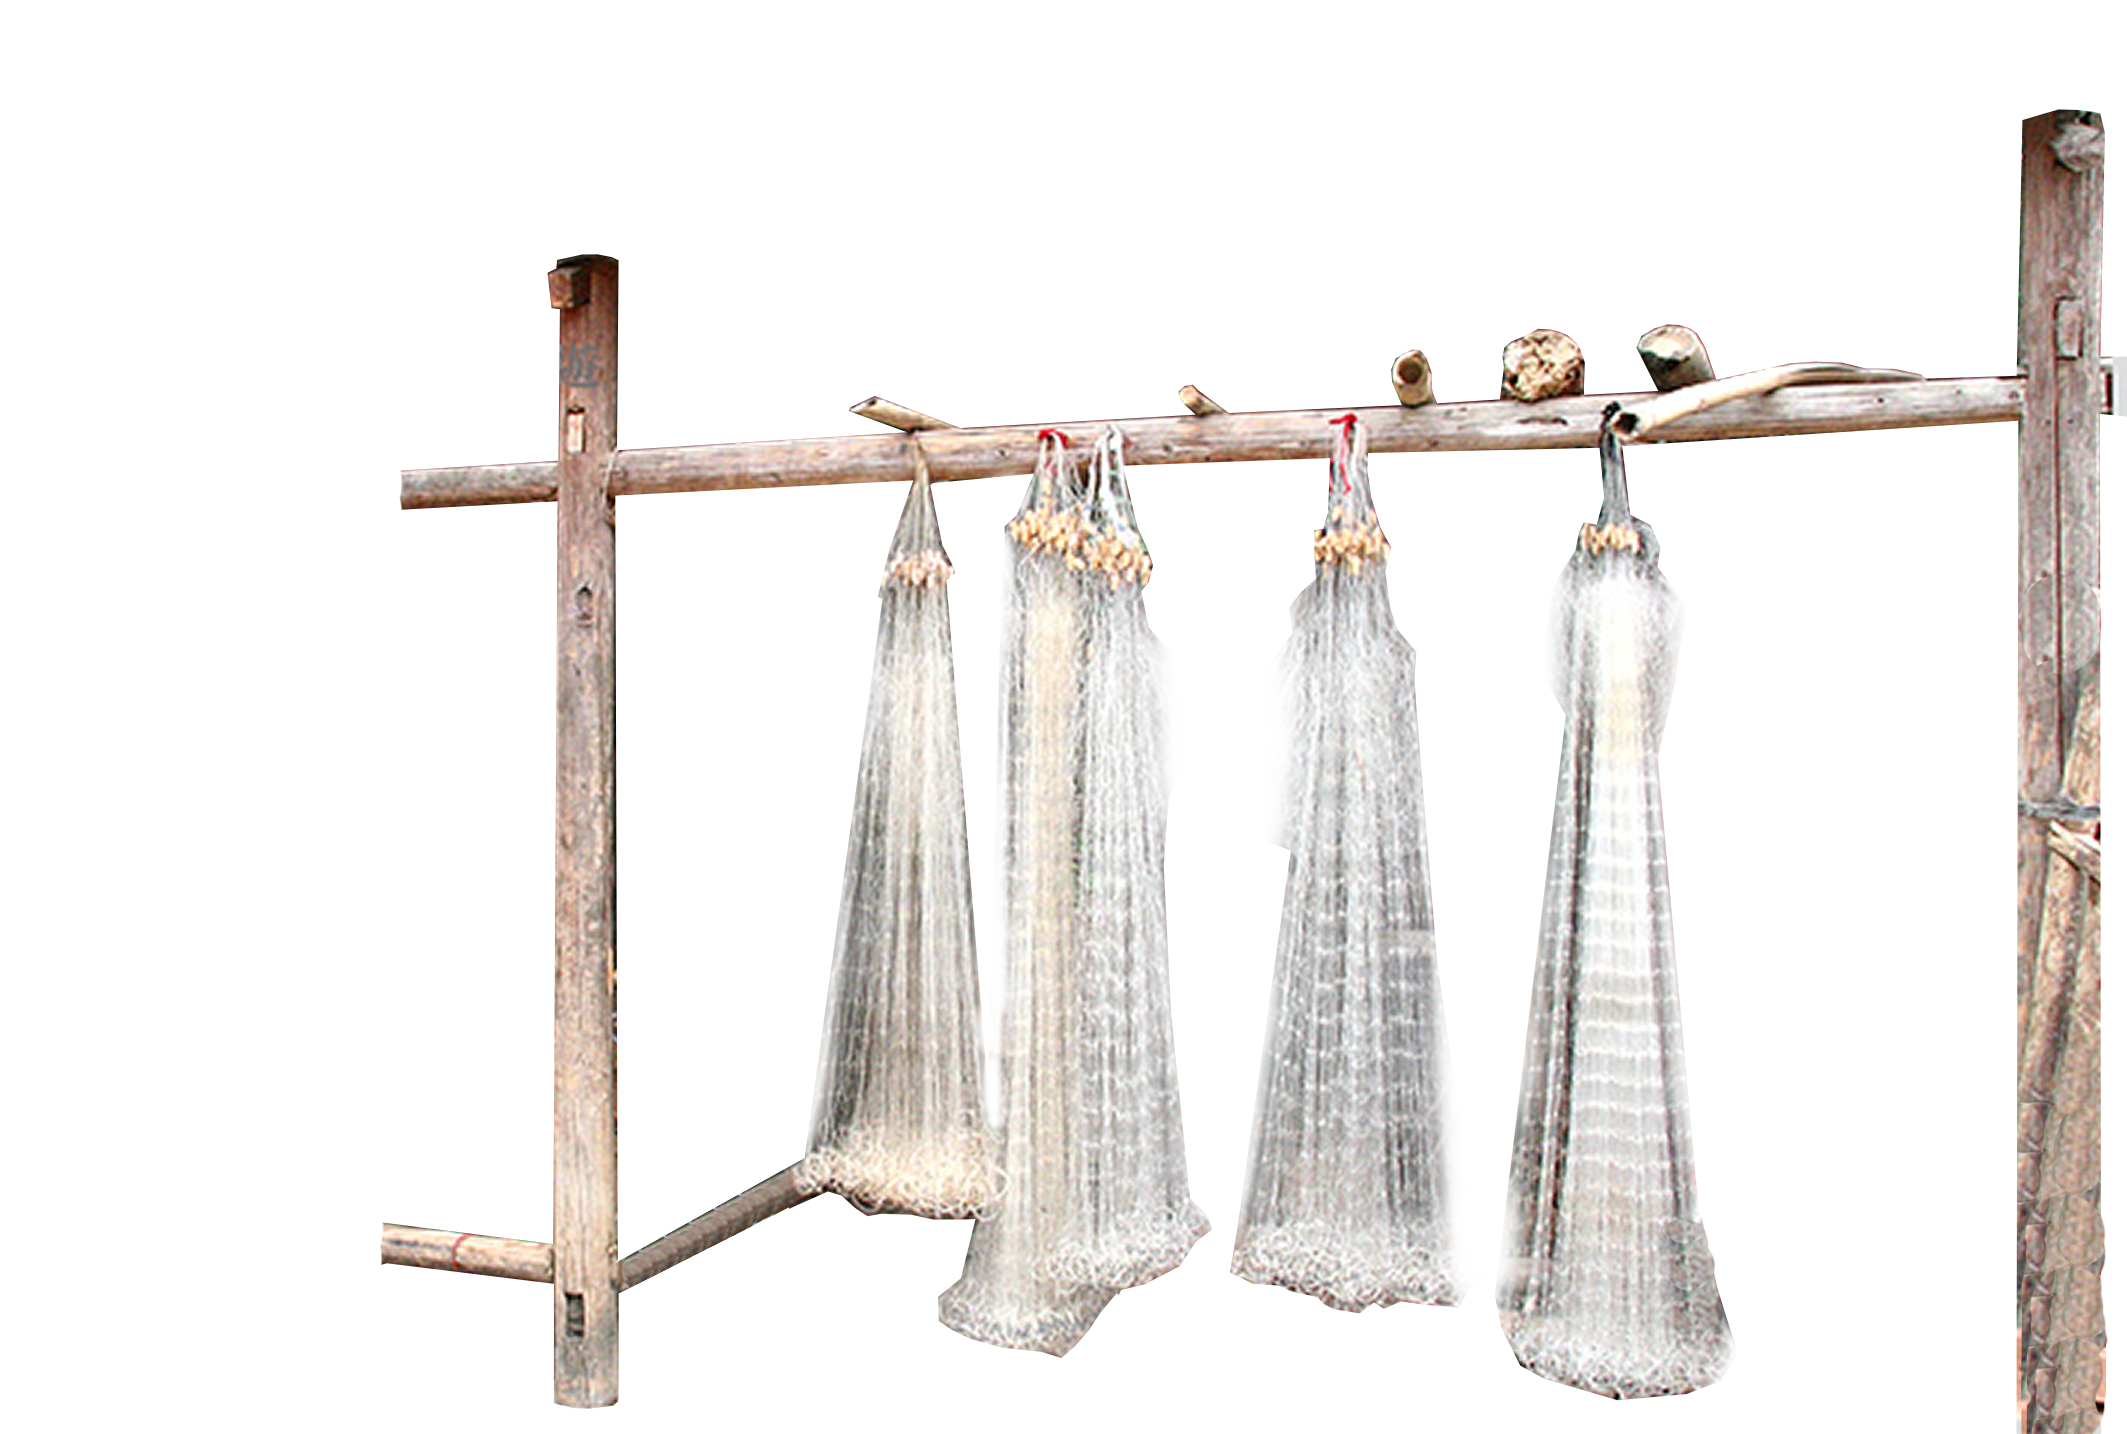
(1638, 419)
(1198, 402)
(2083, 850)
(2061, 252)
(748, 1208)
(895, 415)
(2061, 1232)
(1236, 438)
(468, 1254)
(1412, 375)
(586, 1138)
(1541, 364)
(1675, 356)
(2060, 1240)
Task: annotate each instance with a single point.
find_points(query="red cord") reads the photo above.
(1340, 463)
(1056, 433)
(454, 1253)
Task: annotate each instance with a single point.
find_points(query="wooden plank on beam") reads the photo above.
(586, 1135)
(1228, 438)
(468, 1254)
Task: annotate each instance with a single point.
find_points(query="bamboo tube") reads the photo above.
(1412, 375)
(1675, 357)
(1640, 418)
(895, 415)
(468, 1254)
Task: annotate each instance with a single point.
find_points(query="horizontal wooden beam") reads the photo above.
(468, 1254)
(772, 1196)
(1229, 438)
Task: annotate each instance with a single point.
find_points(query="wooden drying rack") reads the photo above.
(2061, 387)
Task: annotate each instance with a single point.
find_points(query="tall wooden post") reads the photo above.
(2060, 1236)
(586, 1134)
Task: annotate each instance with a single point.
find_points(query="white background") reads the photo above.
(279, 794)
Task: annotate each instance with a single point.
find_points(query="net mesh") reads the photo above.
(1005, 1294)
(1095, 1191)
(898, 1123)
(1607, 1282)
(1345, 1196)
(1133, 1219)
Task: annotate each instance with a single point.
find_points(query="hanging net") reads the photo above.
(1608, 1283)
(1133, 1219)
(1345, 1195)
(1005, 1295)
(898, 1124)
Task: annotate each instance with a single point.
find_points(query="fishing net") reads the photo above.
(1345, 1196)
(898, 1125)
(1133, 1219)
(1608, 1283)
(1004, 1296)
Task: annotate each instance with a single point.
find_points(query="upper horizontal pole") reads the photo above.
(1228, 438)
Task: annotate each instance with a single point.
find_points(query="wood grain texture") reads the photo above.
(586, 1137)
(749, 1207)
(1675, 357)
(2060, 1232)
(1198, 402)
(2084, 851)
(897, 415)
(1490, 425)
(1641, 418)
(1411, 375)
(468, 1254)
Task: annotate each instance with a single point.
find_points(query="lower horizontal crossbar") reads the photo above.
(529, 1260)
(468, 1254)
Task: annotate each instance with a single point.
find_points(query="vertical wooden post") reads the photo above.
(2060, 1242)
(586, 1134)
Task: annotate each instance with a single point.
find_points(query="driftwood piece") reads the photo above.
(1640, 418)
(1198, 402)
(1412, 375)
(1675, 356)
(1541, 364)
(896, 415)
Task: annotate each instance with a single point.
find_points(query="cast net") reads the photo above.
(1607, 1282)
(1005, 1295)
(898, 1124)
(1345, 1197)
(1132, 1218)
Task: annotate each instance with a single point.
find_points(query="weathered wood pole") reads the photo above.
(586, 1134)
(2060, 1238)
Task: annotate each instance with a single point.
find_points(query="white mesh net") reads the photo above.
(1095, 1193)
(1607, 1282)
(1345, 1196)
(1133, 1219)
(1005, 1294)
(898, 1125)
